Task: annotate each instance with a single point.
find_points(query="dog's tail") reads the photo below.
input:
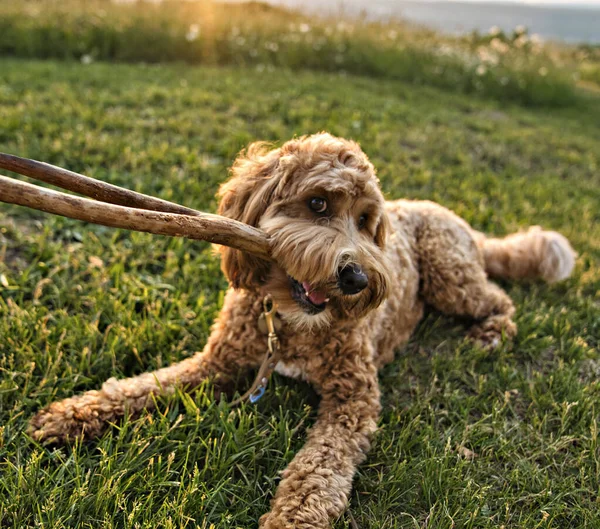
(528, 255)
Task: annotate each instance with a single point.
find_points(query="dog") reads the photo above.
(350, 277)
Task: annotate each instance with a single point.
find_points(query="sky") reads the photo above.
(537, 2)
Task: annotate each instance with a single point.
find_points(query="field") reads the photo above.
(512, 65)
(468, 439)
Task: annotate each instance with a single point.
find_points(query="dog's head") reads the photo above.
(319, 200)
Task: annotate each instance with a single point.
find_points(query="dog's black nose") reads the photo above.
(352, 280)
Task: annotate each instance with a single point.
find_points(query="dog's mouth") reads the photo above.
(310, 298)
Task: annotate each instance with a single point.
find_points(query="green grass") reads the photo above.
(507, 67)
(81, 303)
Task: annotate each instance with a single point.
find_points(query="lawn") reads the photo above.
(467, 439)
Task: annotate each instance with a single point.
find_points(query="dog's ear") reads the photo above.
(383, 228)
(245, 197)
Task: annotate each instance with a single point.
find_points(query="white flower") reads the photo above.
(535, 39)
(521, 41)
(481, 69)
(486, 56)
(87, 59)
(520, 29)
(193, 33)
(494, 30)
(499, 46)
(271, 46)
(304, 28)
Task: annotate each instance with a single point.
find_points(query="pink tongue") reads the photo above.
(317, 297)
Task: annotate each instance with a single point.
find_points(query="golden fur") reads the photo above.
(413, 253)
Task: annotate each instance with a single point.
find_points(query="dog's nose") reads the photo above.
(352, 280)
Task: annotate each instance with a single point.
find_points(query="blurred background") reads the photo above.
(535, 53)
(572, 21)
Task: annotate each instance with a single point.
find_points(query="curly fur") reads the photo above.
(414, 253)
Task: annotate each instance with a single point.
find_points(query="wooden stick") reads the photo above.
(89, 187)
(201, 226)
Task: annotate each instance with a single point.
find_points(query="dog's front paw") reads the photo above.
(84, 416)
(489, 333)
(272, 521)
(290, 518)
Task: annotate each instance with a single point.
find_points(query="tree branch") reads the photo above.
(89, 187)
(200, 226)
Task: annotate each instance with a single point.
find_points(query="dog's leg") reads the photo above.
(484, 301)
(454, 280)
(317, 483)
(234, 345)
(88, 414)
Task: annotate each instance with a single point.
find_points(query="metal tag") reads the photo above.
(262, 323)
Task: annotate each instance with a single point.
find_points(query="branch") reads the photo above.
(89, 187)
(199, 226)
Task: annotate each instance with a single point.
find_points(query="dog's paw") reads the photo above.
(264, 522)
(293, 519)
(271, 521)
(488, 340)
(489, 333)
(80, 417)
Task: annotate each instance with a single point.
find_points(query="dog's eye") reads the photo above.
(318, 204)
(362, 221)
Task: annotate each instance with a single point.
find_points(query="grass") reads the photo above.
(508, 67)
(467, 439)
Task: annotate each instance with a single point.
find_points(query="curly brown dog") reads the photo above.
(353, 275)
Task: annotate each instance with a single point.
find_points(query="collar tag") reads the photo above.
(257, 395)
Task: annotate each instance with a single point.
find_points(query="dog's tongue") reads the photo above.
(316, 296)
